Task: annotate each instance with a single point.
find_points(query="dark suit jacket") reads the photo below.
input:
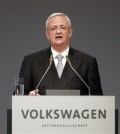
(34, 66)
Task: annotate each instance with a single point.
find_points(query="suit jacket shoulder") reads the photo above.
(80, 57)
(78, 53)
(39, 54)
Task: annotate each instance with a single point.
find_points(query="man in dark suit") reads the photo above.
(34, 66)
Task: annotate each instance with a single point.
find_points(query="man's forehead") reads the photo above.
(58, 20)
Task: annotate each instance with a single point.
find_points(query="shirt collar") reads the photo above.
(64, 53)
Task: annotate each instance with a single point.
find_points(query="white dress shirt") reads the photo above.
(64, 54)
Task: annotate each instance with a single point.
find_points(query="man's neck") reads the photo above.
(60, 49)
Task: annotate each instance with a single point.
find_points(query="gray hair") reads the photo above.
(57, 14)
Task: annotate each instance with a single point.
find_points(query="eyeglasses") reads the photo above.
(55, 28)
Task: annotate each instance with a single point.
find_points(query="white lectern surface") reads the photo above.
(63, 115)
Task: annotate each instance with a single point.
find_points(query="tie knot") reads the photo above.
(59, 57)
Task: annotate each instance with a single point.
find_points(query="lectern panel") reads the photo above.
(63, 115)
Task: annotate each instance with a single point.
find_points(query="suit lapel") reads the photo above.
(74, 58)
(44, 60)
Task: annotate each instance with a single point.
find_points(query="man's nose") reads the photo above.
(58, 30)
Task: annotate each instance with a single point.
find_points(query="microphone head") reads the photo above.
(51, 58)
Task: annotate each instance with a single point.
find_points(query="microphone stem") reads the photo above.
(77, 74)
(80, 77)
(44, 75)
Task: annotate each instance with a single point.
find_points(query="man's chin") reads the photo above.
(59, 42)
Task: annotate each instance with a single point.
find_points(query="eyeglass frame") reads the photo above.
(55, 28)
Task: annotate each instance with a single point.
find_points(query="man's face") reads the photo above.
(59, 32)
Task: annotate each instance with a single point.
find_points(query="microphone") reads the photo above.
(51, 60)
(68, 60)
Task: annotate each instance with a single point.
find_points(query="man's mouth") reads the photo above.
(58, 37)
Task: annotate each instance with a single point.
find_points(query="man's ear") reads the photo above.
(71, 32)
(47, 34)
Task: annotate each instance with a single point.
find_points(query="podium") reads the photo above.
(63, 114)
